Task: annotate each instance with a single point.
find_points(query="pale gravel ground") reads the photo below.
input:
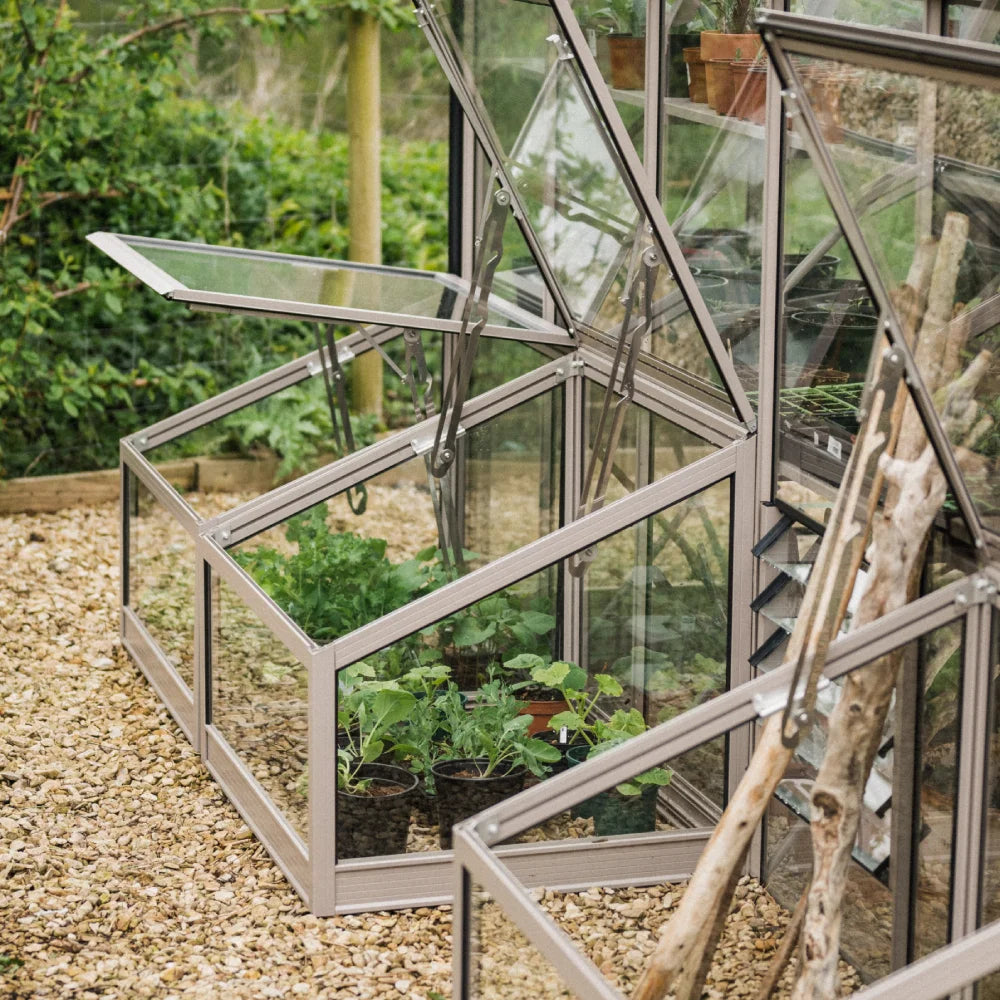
(125, 873)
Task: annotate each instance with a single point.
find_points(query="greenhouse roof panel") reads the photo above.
(312, 288)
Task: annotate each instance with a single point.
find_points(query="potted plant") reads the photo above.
(630, 807)
(490, 752)
(474, 641)
(373, 799)
(529, 676)
(624, 22)
(734, 39)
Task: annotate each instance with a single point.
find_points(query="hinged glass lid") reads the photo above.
(312, 288)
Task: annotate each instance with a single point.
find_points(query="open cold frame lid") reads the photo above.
(259, 282)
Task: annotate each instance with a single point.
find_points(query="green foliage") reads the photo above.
(582, 720)
(492, 730)
(335, 583)
(367, 710)
(93, 136)
(500, 624)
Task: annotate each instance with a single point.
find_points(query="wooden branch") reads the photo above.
(63, 293)
(915, 491)
(785, 949)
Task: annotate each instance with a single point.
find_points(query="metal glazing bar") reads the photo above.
(201, 652)
(161, 490)
(489, 250)
(644, 193)
(251, 593)
(942, 973)
(950, 59)
(714, 718)
(812, 140)
(973, 762)
(322, 736)
(292, 498)
(665, 401)
(578, 973)
(459, 76)
(621, 384)
(537, 555)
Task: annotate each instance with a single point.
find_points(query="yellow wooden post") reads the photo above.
(364, 127)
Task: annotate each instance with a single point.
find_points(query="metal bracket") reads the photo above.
(565, 52)
(489, 246)
(975, 590)
(621, 383)
(421, 446)
(340, 417)
(771, 702)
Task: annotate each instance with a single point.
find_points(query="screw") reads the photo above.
(492, 828)
(447, 455)
(225, 534)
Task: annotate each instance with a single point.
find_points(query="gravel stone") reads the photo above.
(125, 872)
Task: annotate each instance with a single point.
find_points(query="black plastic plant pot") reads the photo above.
(577, 755)
(615, 813)
(850, 293)
(611, 811)
(713, 287)
(461, 791)
(551, 737)
(742, 284)
(820, 275)
(853, 333)
(376, 821)
(732, 245)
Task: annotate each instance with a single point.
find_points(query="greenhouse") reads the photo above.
(689, 548)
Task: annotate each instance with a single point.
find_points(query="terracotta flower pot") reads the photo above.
(720, 94)
(541, 711)
(753, 103)
(717, 45)
(738, 70)
(697, 84)
(628, 61)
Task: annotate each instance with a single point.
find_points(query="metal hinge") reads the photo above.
(770, 702)
(975, 590)
(423, 445)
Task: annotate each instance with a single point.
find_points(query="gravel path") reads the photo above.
(125, 873)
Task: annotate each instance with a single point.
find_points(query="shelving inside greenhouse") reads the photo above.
(622, 540)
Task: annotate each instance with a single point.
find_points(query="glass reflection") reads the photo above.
(260, 703)
(161, 578)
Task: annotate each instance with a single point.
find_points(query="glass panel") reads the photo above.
(510, 496)
(940, 695)
(502, 962)
(927, 149)
(559, 158)
(161, 578)
(908, 14)
(260, 703)
(991, 867)
(283, 277)
(866, 926)
(974, 21)
(713, 165)
(617, 927)
(654, 643)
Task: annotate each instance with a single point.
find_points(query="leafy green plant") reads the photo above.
(367, 709)
(620, 17)
(499, 624)
(335, 583)
(581, 719)
(492, 729)
(734, 17)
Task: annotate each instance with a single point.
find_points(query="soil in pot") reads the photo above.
(376, 821)
(461, 791)
(628, 61)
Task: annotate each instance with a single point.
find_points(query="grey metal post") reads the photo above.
(972, 763)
